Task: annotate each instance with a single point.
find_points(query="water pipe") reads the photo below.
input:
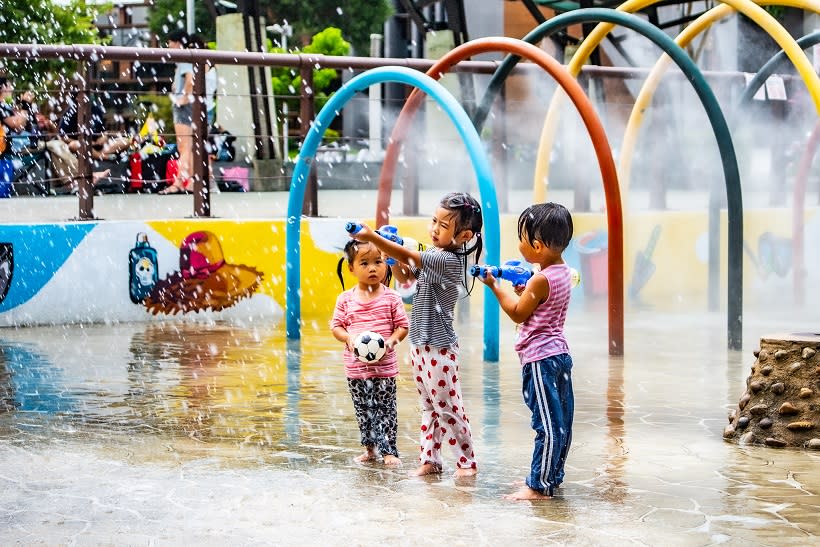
(712, 107)
(599, 142)
(306, 158)
(644, 99)
(803, 170)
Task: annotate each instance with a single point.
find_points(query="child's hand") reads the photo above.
(518, 289)
(349, 343)
(364, 233)
(488, 279)
(390, 343)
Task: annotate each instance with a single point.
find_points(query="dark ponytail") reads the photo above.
(466, 213)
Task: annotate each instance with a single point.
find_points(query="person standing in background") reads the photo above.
(181, 101)
(198, 42)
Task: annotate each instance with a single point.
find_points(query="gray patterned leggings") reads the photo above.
(374, 400)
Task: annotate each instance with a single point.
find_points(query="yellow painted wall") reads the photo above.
(680, 257)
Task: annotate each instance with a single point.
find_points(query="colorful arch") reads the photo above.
(644, 98)
(747, 7)
(716, 118)
(804, 167)
(770, 66)
(302, 169)
(594, 127)
(650, 85)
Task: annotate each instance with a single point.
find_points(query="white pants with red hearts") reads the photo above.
(443, 418)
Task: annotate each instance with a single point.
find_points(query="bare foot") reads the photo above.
(527, 493)
(392, 461)
(469, 472)
(369, 455)
(425, 469)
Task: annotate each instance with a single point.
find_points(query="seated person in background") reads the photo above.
(40, 125)
(13, 118)
(101, 144)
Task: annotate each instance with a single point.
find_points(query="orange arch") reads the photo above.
(596, 133)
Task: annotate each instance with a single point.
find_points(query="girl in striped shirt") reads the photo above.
(371, 306)
(455, 231)
(544, 231)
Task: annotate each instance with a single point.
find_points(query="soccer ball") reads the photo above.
(369, 347)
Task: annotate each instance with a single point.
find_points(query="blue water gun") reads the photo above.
(513, 271)
(388, 231)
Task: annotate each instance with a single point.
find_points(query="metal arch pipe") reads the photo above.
(747, 7)
(804, 167)
(596, 132)
(770, 66)
(644, 99)
(608, 18)
(305, 159)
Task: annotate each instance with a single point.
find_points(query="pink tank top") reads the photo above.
(542, 334)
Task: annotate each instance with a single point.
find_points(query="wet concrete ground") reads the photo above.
(187, 433)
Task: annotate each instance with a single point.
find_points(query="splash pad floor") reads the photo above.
(213, 434)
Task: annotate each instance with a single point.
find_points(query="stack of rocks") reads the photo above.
(781, 404)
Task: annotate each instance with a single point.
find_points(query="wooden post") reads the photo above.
(199, 129)
(84, 180)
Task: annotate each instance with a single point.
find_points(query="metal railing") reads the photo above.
(86, 56)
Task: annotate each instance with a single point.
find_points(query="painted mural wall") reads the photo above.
(234, 270)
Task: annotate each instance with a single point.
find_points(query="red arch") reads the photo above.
(596, 133)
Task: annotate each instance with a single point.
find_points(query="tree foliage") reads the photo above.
(357, 19)
(46, 22)
(286, 81)
(167, 15)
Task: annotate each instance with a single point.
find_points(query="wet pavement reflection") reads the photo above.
(195, 433)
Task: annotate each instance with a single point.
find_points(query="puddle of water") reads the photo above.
(194, 433)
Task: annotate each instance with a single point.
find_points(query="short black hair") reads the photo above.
(549, 223)
(178, 35)
(196, 41)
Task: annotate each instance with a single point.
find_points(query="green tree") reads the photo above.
(357, 19)
(46, 22)
(287, 82)
(167, 15)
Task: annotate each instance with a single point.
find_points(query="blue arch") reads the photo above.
(478, 157)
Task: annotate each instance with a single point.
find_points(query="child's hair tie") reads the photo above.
(473, 208)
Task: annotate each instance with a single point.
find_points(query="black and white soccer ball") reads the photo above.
(369, 347)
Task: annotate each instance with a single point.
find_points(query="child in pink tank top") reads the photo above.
(540, 307)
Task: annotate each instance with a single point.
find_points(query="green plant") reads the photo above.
(287, 83)
(46, 22)
(775, 11)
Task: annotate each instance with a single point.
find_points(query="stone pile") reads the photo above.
(781, 404)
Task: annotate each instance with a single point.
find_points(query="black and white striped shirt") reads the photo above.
(437, 291)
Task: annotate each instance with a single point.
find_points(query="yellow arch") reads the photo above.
(747, 7)
(652, 82)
